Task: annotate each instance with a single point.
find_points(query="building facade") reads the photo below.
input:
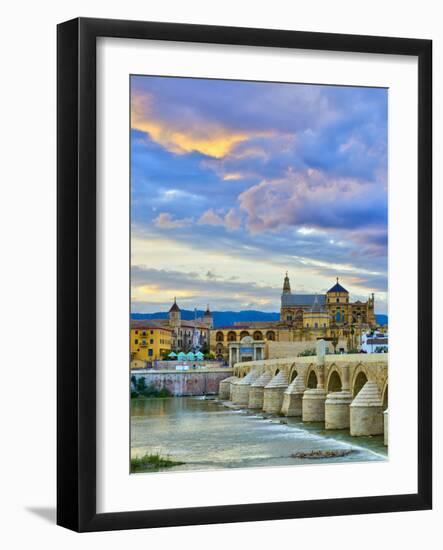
(335, 304)
(149, 340)
(188, 335)
(303, 318)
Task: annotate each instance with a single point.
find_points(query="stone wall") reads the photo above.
(277, 350)
(138, 364)
(185, 383)
(199, 364)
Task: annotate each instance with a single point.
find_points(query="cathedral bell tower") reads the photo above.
(286, 285)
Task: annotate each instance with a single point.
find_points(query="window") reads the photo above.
(150, 352)
(136, 341)
(152, 332)
(151, 341)
(315, 325)
(136, 332)
(338, 300)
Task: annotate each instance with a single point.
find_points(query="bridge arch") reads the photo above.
(359, 379)
(334, 381)
(292, 374)
(311, 380)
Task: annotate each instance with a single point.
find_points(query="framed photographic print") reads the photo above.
(244, 274)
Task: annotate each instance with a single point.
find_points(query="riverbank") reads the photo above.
(152, 463)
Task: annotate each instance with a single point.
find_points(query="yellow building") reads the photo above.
(149, 340)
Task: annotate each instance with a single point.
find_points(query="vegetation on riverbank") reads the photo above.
(151, 463)
(140, 389)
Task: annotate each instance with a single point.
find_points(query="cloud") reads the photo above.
(233, 220)
(181, 135)
(210, 218)
(158, 286)
(166, 221)
(313, 199)
(237, 178)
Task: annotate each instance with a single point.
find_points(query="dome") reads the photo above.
(338, 288)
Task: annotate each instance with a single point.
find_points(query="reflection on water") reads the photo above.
(206, 435)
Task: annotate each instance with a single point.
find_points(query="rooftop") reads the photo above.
(174, 307)
(294, 300)
(338, 288)
(149, 324)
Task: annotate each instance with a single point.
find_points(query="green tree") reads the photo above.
(141, 384)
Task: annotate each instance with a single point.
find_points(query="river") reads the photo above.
(206, 435)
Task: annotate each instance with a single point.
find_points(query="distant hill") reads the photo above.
(381, 319)
(221, 318)
(226, 318)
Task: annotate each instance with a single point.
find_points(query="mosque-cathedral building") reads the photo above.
(303, 318)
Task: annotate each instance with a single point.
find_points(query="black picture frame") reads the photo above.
(76, 280)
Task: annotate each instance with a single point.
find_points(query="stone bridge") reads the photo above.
(343, 391)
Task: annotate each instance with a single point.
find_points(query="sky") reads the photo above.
(233, 183)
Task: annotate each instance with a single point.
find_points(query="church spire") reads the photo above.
(286, 285)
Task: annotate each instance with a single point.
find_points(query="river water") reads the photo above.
(206, 435)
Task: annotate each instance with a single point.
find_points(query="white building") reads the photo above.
(376, 342)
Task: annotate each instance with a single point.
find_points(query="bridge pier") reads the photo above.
(240, 392)
(292, 397)
(232, 383)
(313, 405)
(273, 393)
(224, 388)
(256, 391)
(337, 415)
(366, 411)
